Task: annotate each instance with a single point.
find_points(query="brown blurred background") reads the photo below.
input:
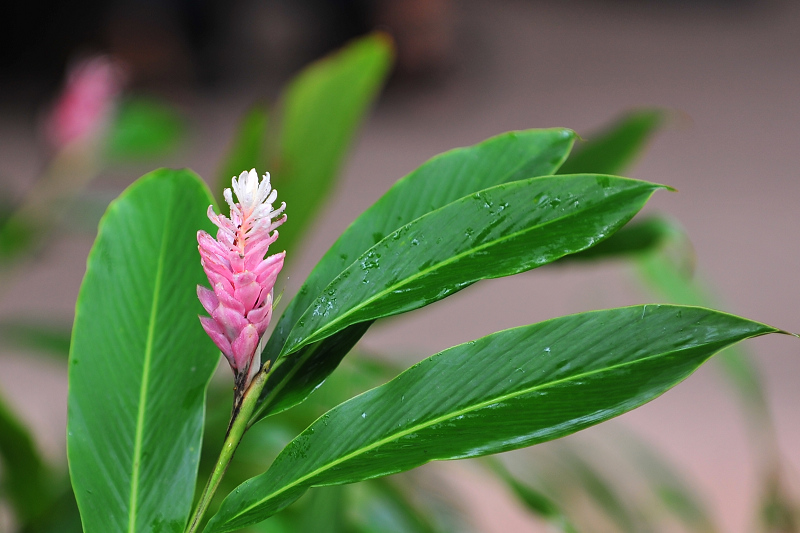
(468, 70)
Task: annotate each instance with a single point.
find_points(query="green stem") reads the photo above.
(238, 426)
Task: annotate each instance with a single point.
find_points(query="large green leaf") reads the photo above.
(612, 149)
(140, 361)
(23, 474)
(505, 391)
(318, 114)
(445, 178)
(503, 230)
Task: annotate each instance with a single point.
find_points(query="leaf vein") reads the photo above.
(388, 290)
(449, 415)
(148, 353)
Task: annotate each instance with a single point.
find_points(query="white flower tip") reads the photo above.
(249, 191)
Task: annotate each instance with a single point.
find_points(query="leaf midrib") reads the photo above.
(459, 412)
(423, 272)
(148, 353)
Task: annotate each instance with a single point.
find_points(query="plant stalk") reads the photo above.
(239, 420)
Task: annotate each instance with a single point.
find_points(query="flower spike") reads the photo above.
(242, 279)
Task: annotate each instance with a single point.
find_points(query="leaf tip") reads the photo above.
(386, 40)
(657, 186)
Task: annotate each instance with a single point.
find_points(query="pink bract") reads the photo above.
(241, 275)
(84, 107)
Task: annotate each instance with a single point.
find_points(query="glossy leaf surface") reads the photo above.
(318, 114)
(500, 231)
(637, 237)
(611, 151)
(505, 391)
(614, 148)
(445, 178)
(140, 361)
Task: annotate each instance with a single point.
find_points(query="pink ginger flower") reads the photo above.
(242, 279)
(84, 108)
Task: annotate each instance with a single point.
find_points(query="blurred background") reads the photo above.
(727, 71)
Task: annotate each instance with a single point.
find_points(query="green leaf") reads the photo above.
(668, 277)
(52, 339)
(326, 511)
(534, 500)
(144, 128)
(23, 474)
(613, 149)
(247, 149)
(778, 510)
(402, 505)
(447, 177)
(505, 391)
(17, 238)
(318, 114)
(636, 238)
(672, 281)
(60, 516)
(140, 361)
(500, 231)
(442, 180)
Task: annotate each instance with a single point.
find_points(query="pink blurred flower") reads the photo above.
(242, 279)
(84, 107)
